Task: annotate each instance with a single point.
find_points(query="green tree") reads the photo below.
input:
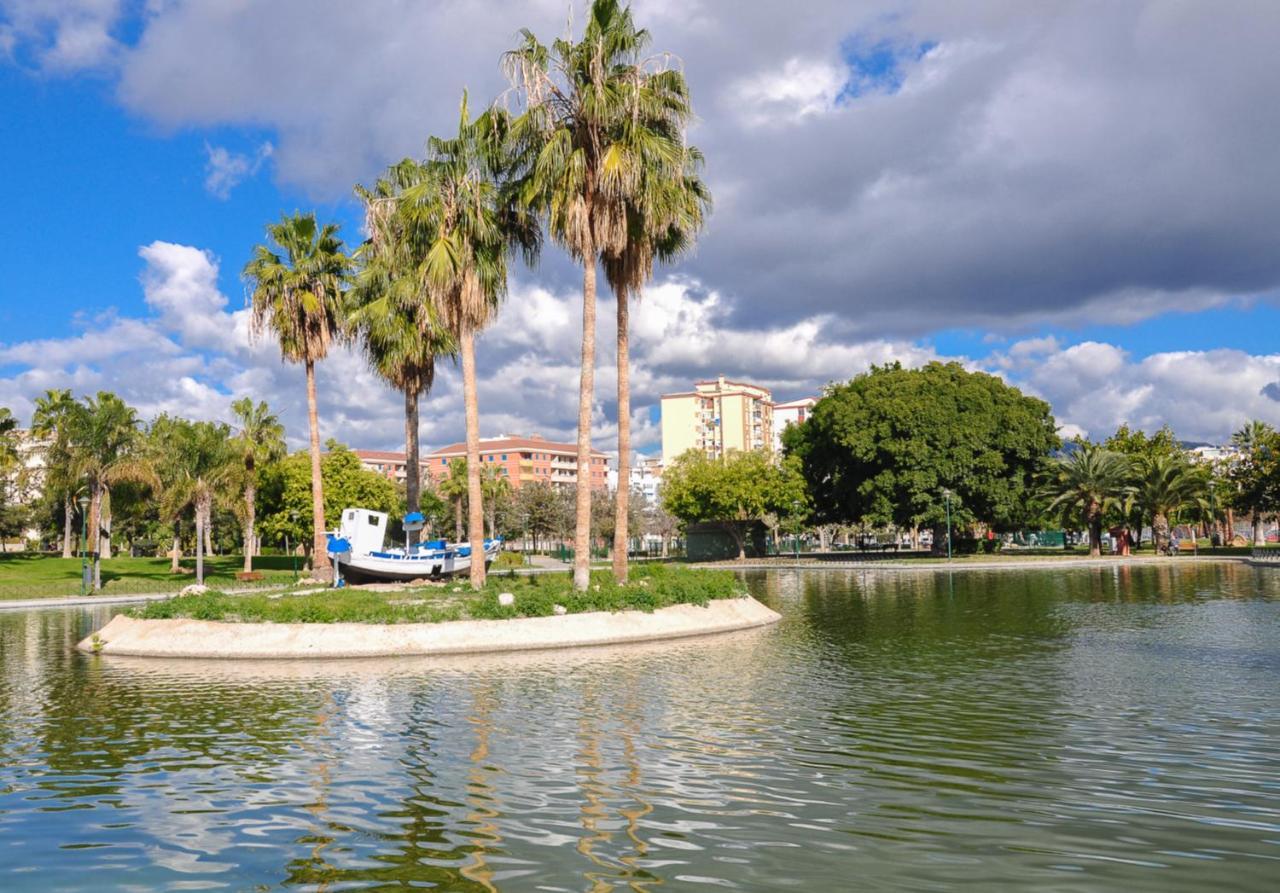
(497, 492)
(286, 490)
(393, 316)
(200, 465)
(105, 448)
(51, 423)
(259, 439)
(1164, 486)
(733, 491)
(593, 108)
(1256, 474)
(885, 448)
(10, 471)
(1084, 485)
(455, 489)
(298, 280)
(1141, 448)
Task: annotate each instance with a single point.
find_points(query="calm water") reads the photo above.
(1094, 729)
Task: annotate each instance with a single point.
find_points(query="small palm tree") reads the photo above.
(497, 489)
(391, 315)
(1085, 485)
(454, 488)
(259, 439)
(298, 280)
(51, 423)
(105, 448)
(201, 463)
(600, 125)
(1165, 485)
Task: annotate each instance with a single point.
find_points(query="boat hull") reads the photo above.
(401, 568)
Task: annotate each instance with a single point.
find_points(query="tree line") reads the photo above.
(941, 448)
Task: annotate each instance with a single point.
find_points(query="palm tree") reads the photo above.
(455, 488)
(1085, 485)
(1163, 486)
(50, 422)
(496, 488)
(297, 297)
(1257, 441)
(105, 449)
(200, 462)
(598, 120)
(395, 322)
(464, 226)
(260, 439)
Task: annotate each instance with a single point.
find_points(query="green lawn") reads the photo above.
(25, 575)
(651, 587)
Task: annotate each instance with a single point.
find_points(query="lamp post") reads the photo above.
(83, 502)
(947, 493)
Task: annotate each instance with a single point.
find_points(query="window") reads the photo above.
(504, 457)
(444, 461)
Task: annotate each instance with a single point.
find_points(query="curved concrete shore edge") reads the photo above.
(204, 639)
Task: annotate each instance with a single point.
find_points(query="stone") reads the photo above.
(194, 589)
(560, 610)
(506, 599)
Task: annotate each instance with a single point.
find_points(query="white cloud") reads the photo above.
(62, 36)
(225, 170)
(800, 88)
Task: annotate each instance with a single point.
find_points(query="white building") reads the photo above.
(793, 413)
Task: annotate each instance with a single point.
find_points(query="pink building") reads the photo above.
(522, 460)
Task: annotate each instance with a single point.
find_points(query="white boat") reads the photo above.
(370, 558)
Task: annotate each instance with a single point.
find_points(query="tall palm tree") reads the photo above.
(1085, 485)
(201, 462)
(105, 448)
(392, 317)
(259, 439)
(666, 204)
(298, 281)
(51, 422)
(583, 164)
(1163, 486)
(465, 227)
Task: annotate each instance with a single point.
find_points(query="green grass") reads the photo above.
(651, 587)
(25, 575)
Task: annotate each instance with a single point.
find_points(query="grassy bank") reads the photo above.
(651, 587)
(24, 575)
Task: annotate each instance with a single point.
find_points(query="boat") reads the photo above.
(365, 556)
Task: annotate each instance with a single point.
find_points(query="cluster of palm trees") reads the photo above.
(1093, 486)
(97, 444)
(587, 147)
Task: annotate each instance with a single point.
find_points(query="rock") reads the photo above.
(506, 599)
(560, 610)
(194, 589)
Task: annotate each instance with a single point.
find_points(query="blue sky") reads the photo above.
(1051, 199)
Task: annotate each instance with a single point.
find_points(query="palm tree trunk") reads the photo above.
(412, 470)
(586, 395)
(475, 499)
(199, 544)
(176, 555)
(1160, 532)
(208, 530)
(457, 520)
(92, 538)
(1259, 538)
(319, 557)
(250, 516)
(1095, 535)
(67, 528)
(623, 496)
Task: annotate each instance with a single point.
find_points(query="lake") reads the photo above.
(1086, 729)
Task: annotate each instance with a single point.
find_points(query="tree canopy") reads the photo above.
(885, 447)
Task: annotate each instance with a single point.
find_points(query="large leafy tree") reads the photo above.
(887, 446)
(10, 468)
(259, 439)
(105, 448)
(465, 227)
(51, 423)
(298, 279)
(600, 124)
(392, 315)
(733, 491)
(1084, 485)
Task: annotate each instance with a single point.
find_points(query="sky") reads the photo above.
(1080, 197)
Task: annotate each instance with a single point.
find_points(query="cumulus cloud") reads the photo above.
(224, 170)
(60, 36)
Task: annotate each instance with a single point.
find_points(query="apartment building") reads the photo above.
(388, 463)
(523, 460)
(716, 417)
(792, 413)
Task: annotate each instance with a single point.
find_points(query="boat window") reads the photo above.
(373, 520)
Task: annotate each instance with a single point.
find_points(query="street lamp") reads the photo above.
(83, 501)
(947, 493)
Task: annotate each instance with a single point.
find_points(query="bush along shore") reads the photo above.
(542, 595)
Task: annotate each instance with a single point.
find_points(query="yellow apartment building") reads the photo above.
(716, 417)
